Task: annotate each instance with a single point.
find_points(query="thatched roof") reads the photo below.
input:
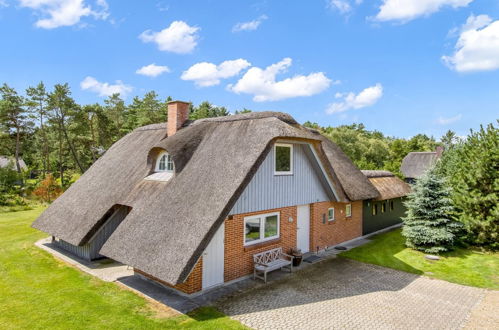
(415, 164)
(353, 182)
(388, 185)
(377, 173)
(171, 223)
(11, 161)
(77, 213)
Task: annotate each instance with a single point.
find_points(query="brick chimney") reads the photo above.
(178, 113)
(439, 150)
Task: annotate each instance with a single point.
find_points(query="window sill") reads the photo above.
(282, 173)
(261, 244)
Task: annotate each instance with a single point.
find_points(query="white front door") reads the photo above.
(213, 260)
(303, 228)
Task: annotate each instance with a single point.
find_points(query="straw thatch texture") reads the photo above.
(355, 185)
(388, 185)
(76, 214)
(415, 164)
(376, 173)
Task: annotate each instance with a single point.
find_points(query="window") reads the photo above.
(283, 154)
(164, 163)
(261, 228)
(392, 206)
(375, 208)
(348, 210)
(330, 214)
(383, 207)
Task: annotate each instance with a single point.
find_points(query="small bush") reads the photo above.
(48, 189)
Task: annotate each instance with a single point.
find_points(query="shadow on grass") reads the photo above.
(206, 314)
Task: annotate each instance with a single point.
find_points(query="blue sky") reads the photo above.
(401, 67)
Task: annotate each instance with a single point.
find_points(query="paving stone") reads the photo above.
(345, 294)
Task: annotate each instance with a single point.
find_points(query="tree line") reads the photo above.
(59, 138)
(372, 150)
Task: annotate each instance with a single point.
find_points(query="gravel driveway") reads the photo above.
(341, 293)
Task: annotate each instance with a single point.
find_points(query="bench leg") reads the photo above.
(265, 275)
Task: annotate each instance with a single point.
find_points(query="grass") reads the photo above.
(39, 292)
(462, 266)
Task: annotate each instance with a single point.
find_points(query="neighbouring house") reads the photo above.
(415, 164)
(11, 162)
(188, 203)
(387, 209)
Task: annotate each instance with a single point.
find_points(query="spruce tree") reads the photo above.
(428, 225)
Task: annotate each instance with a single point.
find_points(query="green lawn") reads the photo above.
(463, 266)
(39, 292)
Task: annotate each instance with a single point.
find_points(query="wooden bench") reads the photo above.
(271, 260)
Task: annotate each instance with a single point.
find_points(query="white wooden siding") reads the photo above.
(267, 191)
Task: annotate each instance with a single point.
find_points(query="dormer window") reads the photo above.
(164, 163)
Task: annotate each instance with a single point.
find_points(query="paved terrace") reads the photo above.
(332, 293)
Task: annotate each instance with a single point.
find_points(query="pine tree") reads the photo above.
(472, 169)
(428, 225)
(14, 118)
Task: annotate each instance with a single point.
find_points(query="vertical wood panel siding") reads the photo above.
(268, 191)
(91, 250)
(79, 251)
(372, 223)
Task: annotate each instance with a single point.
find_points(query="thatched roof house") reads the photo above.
(387, 209)
(172, 217)
(415, 164)
(11, 161)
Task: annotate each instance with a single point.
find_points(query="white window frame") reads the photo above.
(262, 228)
(287, 145)
(334, 214)
(348, 210)
(167, 161)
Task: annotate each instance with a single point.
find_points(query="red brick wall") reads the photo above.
(192, 284)
(334, 232)
(238, 258)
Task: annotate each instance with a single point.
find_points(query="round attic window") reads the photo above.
(164, 162)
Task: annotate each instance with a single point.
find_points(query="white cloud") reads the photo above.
(406, 10)
(57, 13)
(105, 89)
(153, 70)
(477, 48)
(263, 85)
(249, 26)
(179, 38)
(206, 74)
(343, 6)
(448, 120)
(365, 98)
(3, 3)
